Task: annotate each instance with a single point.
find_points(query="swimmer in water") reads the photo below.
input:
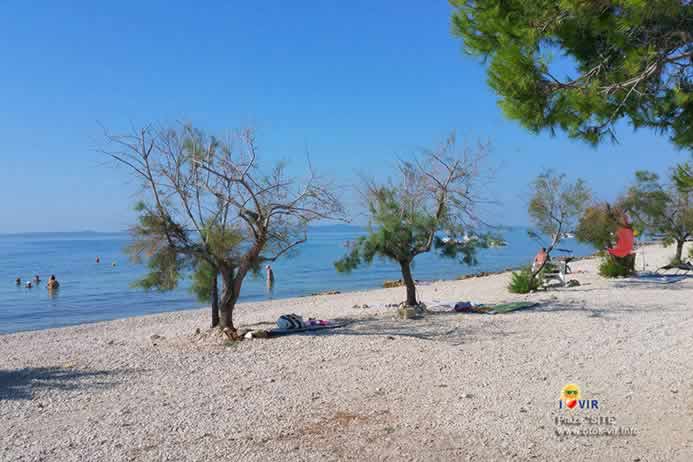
(37, 279)
(18, 281)
(98, 260)
(28, 285)
(52, 283)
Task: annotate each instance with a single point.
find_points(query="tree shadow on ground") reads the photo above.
(594, 311)
(21, 384)
(432, 327)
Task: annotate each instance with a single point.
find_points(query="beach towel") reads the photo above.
(278, 332)
(624, 243)
(656, 278)
(500, 308)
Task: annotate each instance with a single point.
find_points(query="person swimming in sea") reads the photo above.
(37, 279)
(28, 285)
(52, 283)
(18, 281)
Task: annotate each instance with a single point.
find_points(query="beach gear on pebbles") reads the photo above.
(290, 321)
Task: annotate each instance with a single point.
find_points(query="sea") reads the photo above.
(91, 291)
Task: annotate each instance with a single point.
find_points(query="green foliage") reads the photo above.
(159, 240)
(556, 205)
(399, 232)
(683, 177)
(165, 267)
(612, 267)
(597, 226)
(522, 281)
(660, 209)
(675, 260)
(150, 241)
(202, 280)
(626, 59)
(435, 195)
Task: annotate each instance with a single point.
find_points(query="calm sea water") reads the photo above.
(94, 292)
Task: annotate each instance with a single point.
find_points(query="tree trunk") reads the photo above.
(228, 301)
(215, 300)
(409, 283)
(679, 249)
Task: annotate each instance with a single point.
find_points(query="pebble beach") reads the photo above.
(448, 386)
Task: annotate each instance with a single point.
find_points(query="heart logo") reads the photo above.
(571, 403)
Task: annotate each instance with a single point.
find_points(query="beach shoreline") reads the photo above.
(448, 386)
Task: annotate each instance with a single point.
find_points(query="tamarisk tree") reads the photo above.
(209, 207)
(555, 207)
(661, 209)
(434, 194)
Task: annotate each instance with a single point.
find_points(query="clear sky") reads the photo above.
(355, 83)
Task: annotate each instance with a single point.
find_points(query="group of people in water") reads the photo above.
(54, 284)
(51, 285)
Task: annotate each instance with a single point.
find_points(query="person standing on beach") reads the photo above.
(540, 259)
(270, 277)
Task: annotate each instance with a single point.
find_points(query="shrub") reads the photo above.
(522, 283)
(612, 267)
(675, 261)
(597, 226)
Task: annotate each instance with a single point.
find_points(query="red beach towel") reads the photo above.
(624, 243)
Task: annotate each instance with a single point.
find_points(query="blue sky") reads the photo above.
(355, 83)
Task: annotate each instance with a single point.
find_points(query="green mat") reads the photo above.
(504, 307)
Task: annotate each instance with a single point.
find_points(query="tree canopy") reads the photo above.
(556, 205)
(661, 209)
(598, 226)
(209, 207)
(554, 209)
(435, 193)
(620, 59)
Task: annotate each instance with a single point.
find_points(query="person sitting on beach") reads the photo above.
(540, 259)
(53, 283)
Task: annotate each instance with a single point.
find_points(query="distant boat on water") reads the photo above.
(467, 238)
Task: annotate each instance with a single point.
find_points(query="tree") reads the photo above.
(205, 280)
(209, 207)
(434, 194)
(661, 209)
(624, 59)
(554, 208)
(598, 225)
(683, 177)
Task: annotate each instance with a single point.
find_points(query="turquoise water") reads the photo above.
(95, 292)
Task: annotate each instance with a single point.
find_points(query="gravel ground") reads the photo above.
(446, 387)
